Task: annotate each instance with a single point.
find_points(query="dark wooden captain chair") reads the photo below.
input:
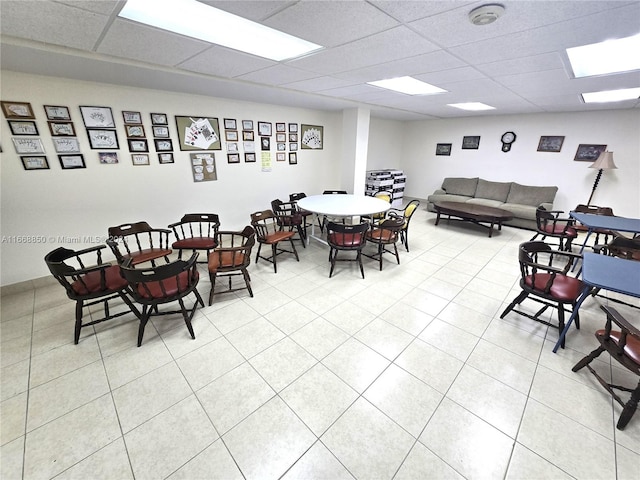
(595, 210)
(232, 257)
(406, 213)
(289, 218)
(384, 235)
(346, 238)
(195, 231)
(624, 347)
(139, 242)
(268, 232)
(88, 281)
(166, 283)
(549, 223)
(545, 278)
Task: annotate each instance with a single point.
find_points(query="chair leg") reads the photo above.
(332, 258)
(187, 319)
(144, 318)
(295, 252)
(78, 326)
(380, 252)
(587, 360)
(629, 408)
(359, 259)
(516, 301)
(395, 249)
(274, 253)
(303, 237)
(212, 277)
(258, 252)
(247, 281)
(561, 321)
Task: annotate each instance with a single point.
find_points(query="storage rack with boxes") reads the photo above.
(387, 180)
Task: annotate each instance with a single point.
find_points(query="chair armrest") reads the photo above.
(89, 250)
(619, 320)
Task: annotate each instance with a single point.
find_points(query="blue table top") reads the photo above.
(620, 224)
(611, 273)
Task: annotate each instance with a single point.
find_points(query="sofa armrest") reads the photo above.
(439, 192)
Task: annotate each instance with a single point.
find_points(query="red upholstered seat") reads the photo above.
(225, 259)
(346, 239)
(632, 347)
(560, 230)
(563, 288)
(383, 235)
(199, 243)
(92, 282)
(147, 255)
(276, 237)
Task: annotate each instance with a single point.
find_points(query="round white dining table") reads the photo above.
(341, 206)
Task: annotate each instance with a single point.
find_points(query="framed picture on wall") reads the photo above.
(165, 158)
(57, 112)
(264, 129)
(470, 143)
(17, 110)
(250, 157)
(589, 153)
(247, 124)
(311, 137)
(134, 130)
(230, 124)
(198, 133)
(59, 129)
(136, 145)
(71, 161)
(36, 162)
(550, 144)
(160, 131)
(280, 157)
(281, 127)
(293, 158)
(159, 119)
(140, 158)
(233, 158)
(97, 117)
(108, 158)
(163, 145)
(103, 139)
(132, 117)
(66, 144)
(28, 145)
(23, 127)
(443, 149)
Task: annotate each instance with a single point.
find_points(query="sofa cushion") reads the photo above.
(460, 186)
(447, 198)
(486, 202)
(527, 212)
(493, 190)
(530, 195)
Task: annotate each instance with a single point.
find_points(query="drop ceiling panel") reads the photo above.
(332, 26)
(132, 40)
(428, 62)
(105, 7)
(407, 11)
(224, 62)
(52, 23)
(399, 42)
(318, 84)
(534, 63)
(278, 75)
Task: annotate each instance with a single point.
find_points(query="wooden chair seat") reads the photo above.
(107, 280)
(560, 287)
(197, 243)
(147, 255)
(167, 288)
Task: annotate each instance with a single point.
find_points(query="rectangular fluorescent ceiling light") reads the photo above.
(472, 106)
(198, 20)
(612, 95)
(611, 56)
(407, 85)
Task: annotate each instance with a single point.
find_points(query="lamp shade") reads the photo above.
(604, 162)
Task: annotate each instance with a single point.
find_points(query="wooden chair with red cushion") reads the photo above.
(546, 279)
(550, 223)
(232, 257)
(385, 235)
(162, 284)
(268, 232)
(195, 231)
(139, 243)
(88, 281)
(624, 347)
(290, 218)
(346, 238)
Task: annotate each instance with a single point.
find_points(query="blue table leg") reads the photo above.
(583, 297)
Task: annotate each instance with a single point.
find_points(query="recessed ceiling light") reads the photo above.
(408, 85)
(611, 95)
(198, 20)
(472, 106)
(612, 56)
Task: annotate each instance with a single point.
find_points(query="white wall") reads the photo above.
(85, 202)
(619, 130)
(386, 144)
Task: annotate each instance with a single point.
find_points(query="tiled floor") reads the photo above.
(409, 373)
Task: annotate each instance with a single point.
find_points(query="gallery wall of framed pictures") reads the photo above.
(240, 138)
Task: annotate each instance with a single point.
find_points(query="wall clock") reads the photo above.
(507, 139)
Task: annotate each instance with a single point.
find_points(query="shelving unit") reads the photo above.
(389, 180)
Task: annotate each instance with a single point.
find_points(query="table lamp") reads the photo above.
(604, 162)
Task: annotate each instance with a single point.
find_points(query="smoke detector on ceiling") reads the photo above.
(486, 14)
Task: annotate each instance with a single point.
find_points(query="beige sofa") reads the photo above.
(521, 200)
